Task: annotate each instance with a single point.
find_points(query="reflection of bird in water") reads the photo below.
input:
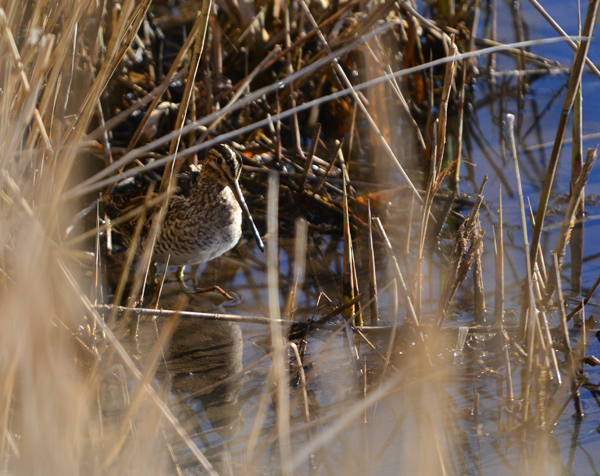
(203, 220)
(203, 353)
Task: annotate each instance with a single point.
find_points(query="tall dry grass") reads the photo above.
(52, 376)
(72, 402)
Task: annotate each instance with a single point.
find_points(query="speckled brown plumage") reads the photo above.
(203, 220)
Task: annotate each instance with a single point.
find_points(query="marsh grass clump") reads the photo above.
(368, 337)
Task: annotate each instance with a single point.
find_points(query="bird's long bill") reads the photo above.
(237, 191)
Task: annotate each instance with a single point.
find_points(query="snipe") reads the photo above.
(203, 220)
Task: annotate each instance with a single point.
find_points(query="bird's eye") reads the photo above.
(219, 161)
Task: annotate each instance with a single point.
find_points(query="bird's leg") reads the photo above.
(158, 289)
(153, 274)
(181, 275)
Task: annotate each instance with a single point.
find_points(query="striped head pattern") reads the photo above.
(225, 161)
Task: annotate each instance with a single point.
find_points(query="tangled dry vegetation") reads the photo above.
(350, 118)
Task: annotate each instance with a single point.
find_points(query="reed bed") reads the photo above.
(377, 341)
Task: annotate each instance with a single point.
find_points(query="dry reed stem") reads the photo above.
(253, 450)
(396, 268)
(529, 57)
(260, 68)
(571, 368)
(169, 78)
(540, 267)
(576, 241)
(118, 348)
(587, 298)
(527, 302)
(443, 107)
(291, 87)
(134, 213)
(203, 15)
(124, 115)
(582, 380)
(509, 382)
(67, 36)
(457, 159)
(95, 183)
(569, 219)
(360, 103)
(317, 324)
(294, 348)
(562, 32)
(403, 289)
(349, 284)
(574, 84)
(466, 245)
(159, 288)
(334, 158)
(528, 321)
(135, 240)
(300, 245)
(499, 262)
(373, 291)
(436, 177)
(478, 291)
(258, 94)
(309, 160)
(139, 283)
(546, 337)
(279, 355)
(127, 25)
(150, 369)
(406, 250)
(28, 207)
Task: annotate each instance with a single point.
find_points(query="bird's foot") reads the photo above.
(153, 274)
(223, 293)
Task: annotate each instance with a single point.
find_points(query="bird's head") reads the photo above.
(225, 163)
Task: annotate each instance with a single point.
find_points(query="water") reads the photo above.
(455, 418)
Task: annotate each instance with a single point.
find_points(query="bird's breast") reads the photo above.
(199, 228)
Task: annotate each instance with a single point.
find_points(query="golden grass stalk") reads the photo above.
(499, 261)
(189, 89)
(277, 343)
(569, 219)
(573, 87)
